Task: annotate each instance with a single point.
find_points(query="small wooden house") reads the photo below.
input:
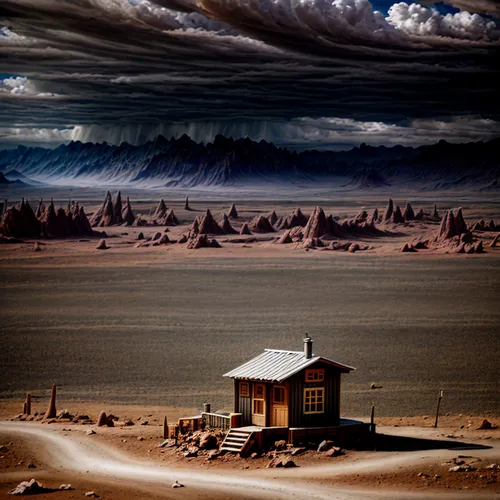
(289, 390)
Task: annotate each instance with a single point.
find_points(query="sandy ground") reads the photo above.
(137, 468)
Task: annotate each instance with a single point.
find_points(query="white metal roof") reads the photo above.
(275, 366)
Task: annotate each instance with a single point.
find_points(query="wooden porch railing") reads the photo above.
(217, 420)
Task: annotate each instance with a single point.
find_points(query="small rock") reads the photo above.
(325, 445)
(254, 455)
(493, 467)
(191, 452)
(177, 485)
(288, 463)
(102, 245)
(31, 487)
(280, 445)
(127, 422)
(31, 465)
(90, 432)
(297, 451)
(91, 494)
(334, 452)
(462, 468)
(146, 422)
(65, 487)
(140, 438)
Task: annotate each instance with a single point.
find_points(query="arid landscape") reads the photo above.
(250, 249)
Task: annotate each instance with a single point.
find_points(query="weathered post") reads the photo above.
(207, 407)
(440, 397)
(186, 204)
(165, 428)
(28, 404)
(51, 410)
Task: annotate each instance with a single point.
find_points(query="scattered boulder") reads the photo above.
(37, 247)
(353, 247)
(208, 442)
(177, 484)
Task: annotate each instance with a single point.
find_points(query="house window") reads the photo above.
(314, 400)
(244, 390)
(317, 375)
(258, 399)
(279, 395)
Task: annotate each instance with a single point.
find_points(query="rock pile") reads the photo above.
(453, 236)
(163, 216)
(202, 241)
(484, 226)
(21, 221)
(296, 219)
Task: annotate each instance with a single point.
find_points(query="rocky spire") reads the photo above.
(128, 215)
(226, 225)
(233, 213)
(388, 211)
(208, 224)
(118, 208)
(408, 213)
(245, 229)
(261, 225)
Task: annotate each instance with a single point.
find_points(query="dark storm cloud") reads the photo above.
(124, 68)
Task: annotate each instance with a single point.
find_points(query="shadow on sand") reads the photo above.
(384, 442)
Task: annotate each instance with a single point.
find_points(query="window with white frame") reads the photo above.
(314, 400)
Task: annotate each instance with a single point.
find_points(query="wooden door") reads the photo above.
(279, 411)
(259, 405)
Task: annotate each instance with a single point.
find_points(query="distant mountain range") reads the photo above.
(227, 162)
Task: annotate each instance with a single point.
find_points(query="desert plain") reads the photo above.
(149, 330)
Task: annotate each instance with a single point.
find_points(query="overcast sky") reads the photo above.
(300, 73)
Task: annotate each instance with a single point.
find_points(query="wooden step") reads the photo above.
(236, 441)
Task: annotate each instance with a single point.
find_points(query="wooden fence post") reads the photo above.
(440, 397)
